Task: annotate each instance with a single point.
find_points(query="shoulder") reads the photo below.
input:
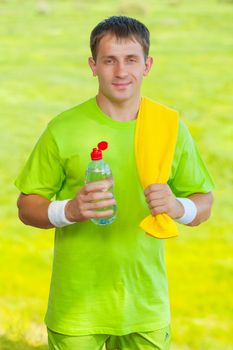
(184, 136)
(159, 106)
(70, 116)
(183, 131)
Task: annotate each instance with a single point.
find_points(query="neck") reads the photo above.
(123, 111)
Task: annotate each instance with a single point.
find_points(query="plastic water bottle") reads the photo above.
(97, 170)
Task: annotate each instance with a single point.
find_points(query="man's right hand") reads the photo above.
(91, 197)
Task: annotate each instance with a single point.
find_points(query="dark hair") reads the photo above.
(121, 27)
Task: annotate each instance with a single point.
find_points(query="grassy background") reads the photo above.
(43, 70)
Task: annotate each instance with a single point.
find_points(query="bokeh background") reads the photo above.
(44, 46)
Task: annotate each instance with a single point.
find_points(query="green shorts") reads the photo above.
(156, 340)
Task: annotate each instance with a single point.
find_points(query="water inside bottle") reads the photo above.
(97, 175)
(107, 219)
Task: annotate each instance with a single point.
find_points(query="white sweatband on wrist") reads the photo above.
(56, 213)
(190, 211)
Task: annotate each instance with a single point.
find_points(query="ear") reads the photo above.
(92, 65)
(148, 65)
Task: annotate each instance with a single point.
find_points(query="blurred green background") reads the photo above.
(43, 70)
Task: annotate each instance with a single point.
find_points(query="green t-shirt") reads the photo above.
(106, 279)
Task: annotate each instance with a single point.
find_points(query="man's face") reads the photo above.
(120, 66)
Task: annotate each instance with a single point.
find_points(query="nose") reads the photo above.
(121, 71)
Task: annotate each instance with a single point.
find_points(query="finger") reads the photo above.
(154, 188)
(98, 214)
(156, 203)
(154, 196)
(99, 204)
(101, 185)
(96, 196)
(159, 210)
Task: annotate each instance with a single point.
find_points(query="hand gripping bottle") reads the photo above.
(97, 170)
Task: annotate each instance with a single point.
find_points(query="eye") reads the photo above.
(132, 59)
(108, 61)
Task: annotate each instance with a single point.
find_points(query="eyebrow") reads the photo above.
(112, 56)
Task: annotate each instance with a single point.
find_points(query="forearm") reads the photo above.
(36, 210)
(203, 202)
(160, 200)
(33, 211)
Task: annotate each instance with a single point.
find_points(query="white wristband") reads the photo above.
(56, 213)
(190, 211)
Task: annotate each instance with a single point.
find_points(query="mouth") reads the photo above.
(121, 85)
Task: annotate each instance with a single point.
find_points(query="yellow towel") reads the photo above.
(155, 140)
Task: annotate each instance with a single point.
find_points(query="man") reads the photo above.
(109, 283)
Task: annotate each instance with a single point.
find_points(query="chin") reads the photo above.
(121, 97)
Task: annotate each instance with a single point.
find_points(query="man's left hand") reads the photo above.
(160, 200)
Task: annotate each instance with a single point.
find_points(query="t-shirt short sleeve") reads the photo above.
(189, 173)
(43, 172)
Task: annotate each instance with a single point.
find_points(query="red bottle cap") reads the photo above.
(96, 153)
(103, 145)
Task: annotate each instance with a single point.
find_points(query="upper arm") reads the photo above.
(189, 173)
(28, 200)
(33, 210)
(43, 173)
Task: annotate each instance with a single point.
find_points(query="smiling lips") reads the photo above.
(121, 85)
